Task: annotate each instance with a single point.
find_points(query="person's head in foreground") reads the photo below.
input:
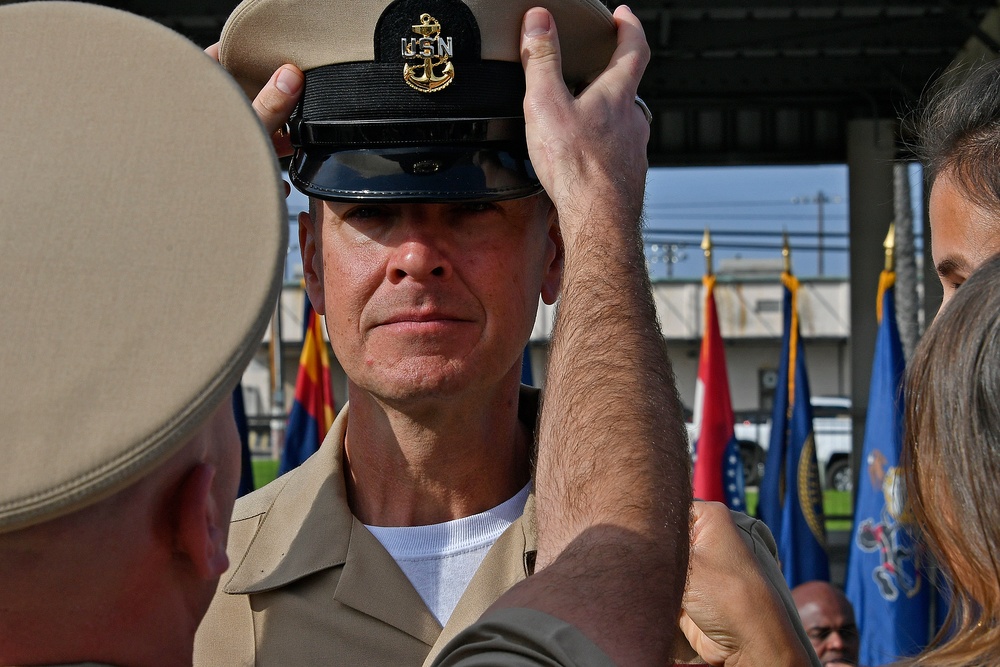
(828, 618)
(951, 455)
(959, 148)
(138, 280)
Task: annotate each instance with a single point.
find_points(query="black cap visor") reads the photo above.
(415, 161)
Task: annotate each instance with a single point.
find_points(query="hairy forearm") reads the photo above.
(610, 376)
(612, 480)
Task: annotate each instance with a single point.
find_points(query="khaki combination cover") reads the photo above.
(143, 237)
(409, 100)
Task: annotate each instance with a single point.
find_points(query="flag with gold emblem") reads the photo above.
(791, 497)
(885, 583)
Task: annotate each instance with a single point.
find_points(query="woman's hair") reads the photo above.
(951, 460)
(959, 134)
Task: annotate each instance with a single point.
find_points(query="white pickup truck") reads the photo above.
(832, 430)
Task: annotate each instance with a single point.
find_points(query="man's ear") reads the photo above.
(552, 276)
(201, 529)
(312, 261)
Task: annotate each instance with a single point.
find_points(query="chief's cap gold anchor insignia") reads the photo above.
(436, 71)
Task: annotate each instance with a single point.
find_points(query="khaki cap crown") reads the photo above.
(262, 35)
(143, 236)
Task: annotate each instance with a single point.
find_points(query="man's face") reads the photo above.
(963, 235)
(427, 300)
(829, 621)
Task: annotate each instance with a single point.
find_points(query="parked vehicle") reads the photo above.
(832, 434)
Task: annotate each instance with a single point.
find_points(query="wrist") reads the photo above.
(777, 649)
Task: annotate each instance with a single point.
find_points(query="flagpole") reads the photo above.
(789, 281)
(706, 246)
(718, 467)
(888, 277)
(277, 383)
(890, 248)
(786, 253)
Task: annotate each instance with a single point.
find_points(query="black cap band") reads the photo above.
(454, 131)
(376, 91)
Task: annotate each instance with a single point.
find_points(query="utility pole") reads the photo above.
(820, 199)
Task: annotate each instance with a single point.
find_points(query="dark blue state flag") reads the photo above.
(527, 377)
(246, 463)
(791, 497)
(772, 486)
(890, 594)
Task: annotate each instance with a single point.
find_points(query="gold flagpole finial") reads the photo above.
(890, 246)
(706, 245)
(786, 252)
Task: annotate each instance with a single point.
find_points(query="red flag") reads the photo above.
(718, 470)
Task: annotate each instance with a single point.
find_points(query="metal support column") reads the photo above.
(870, 158)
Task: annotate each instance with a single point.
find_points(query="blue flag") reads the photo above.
(791, 497)
(890, 595)
(772, 486)
(527, 377)
(246, 467)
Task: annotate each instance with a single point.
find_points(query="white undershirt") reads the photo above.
(440, 559)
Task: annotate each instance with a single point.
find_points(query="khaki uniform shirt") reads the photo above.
(521, 637)
(308, 584)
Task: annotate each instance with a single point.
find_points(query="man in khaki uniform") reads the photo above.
(138, 279)
(427, 246)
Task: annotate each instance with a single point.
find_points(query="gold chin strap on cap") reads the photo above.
(645, 109)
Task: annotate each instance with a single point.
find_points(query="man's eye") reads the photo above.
(846, 632)
(478, 207)
(364, 212)
(951, 286)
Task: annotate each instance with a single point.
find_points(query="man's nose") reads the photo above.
(417, 257)
(834, 641)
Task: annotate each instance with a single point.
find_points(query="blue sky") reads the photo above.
(748, 207)
(744, 207)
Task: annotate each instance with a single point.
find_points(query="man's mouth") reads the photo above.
(423, 321)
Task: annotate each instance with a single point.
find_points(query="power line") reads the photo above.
(760, 246)
(797, 217)
(740, 232)
(724, 204)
